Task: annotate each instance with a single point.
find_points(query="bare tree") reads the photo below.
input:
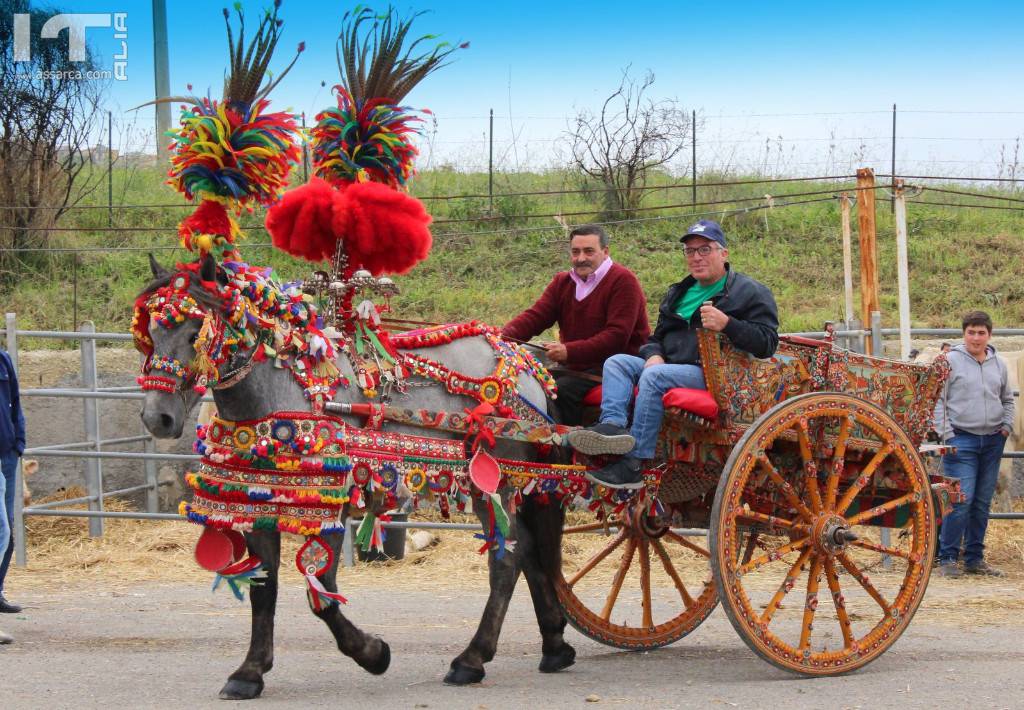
(48, 112)
(631, 136)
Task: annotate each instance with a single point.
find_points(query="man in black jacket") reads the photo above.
(714, 297)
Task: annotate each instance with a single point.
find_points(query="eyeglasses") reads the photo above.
(702, 251)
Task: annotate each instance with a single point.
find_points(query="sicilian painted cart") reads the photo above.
(794, 465)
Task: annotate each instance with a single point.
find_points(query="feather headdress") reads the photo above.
(363, 155)
(233, 154)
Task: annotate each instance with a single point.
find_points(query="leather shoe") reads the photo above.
(7, 608)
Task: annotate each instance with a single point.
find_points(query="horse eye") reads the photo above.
(193, 338)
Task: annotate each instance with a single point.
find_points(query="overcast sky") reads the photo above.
(800, 88)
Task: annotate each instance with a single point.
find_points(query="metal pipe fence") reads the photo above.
(92, 452)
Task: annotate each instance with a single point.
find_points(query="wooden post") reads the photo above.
(844, 206)
(902, 268)
(868, 251)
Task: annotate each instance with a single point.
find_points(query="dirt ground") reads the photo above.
(129, 621)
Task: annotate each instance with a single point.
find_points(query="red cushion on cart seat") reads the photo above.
(593, 397)
(699, 402)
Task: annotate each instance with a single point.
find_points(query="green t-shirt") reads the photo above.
(696, 295)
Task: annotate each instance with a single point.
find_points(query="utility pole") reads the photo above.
(892, 200)
(693, 159)
(868, 250)
(161, 76)
(902, 268)
(844, 206)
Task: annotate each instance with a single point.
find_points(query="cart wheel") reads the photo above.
(817, 477)
(652, 562)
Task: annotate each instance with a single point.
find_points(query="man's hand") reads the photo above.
(1005, 431)
(556, 352)
(654, 360)
(713, 319)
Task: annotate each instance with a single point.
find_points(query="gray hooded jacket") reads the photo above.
(977, 397)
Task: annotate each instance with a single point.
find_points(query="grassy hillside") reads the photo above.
(489, 269)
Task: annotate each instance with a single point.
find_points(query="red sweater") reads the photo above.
(612, 319)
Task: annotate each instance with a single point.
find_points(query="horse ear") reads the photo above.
(158, 271)
(208, 268)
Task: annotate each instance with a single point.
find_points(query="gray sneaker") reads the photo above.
(601, 439)
(984, 568)
(949, 569)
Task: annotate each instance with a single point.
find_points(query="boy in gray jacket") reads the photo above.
(974, 414)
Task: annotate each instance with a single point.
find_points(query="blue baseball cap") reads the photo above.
(707, 228)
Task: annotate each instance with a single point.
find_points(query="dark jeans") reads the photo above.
(976, 464)
(571, 391)
(9, 464)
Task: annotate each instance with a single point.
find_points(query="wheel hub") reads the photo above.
(832, 534)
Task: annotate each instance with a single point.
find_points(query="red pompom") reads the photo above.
(211, 217)
(300, 224)
(385, 231)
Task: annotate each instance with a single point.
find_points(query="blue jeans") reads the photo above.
(9, 464)
(976, 464)
(623, 373)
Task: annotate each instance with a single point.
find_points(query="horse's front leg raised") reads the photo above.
(368, 651)
(247, 682)
(468, 666)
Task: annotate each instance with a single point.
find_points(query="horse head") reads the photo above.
(178, 326)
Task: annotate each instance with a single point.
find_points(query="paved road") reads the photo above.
(161, 645)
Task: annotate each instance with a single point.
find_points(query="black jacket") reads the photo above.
(753, 321)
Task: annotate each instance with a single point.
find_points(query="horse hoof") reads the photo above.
(237, 689)
(459, 674)
(554, 662)
(383, 661)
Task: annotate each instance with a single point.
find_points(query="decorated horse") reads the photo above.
(321, 412)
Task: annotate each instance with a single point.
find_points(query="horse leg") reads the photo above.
(468, 666)
(247, 682)
(370, 652)
(541, 561)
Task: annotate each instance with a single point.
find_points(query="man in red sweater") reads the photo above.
(600, 310)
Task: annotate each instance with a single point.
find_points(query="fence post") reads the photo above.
(490, 166)
(844, 205)
(348, 558)
(902, 269)
(18, 531)
(868, 252)
(152, 488)
(93, 467)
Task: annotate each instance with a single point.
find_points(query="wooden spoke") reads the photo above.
(774, 555)
(770, 520)
(838, 602)
(785, 487)
(810, 603)
(588, 527)
(620, 577)
(853, 569)
(864, 478)
(687, 544)
(810, 466)
(867, 545)
(787, 584)
(670, 569)
(884, 508)
(596, 559)
(838, 464)
(645, 583)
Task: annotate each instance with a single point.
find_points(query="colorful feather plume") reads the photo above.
(371, 142)
(362, 147)
(234, 154)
